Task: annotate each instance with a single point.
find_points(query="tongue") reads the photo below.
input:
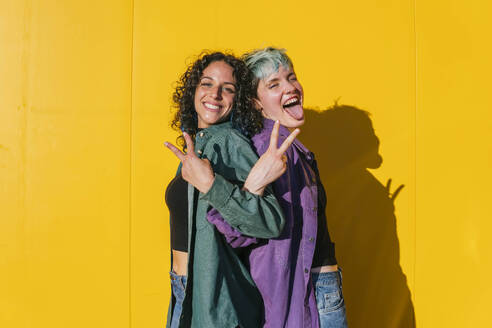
(295, 111)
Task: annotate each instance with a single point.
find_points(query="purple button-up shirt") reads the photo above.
(281, 267)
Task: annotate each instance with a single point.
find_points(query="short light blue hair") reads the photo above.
(264, 62)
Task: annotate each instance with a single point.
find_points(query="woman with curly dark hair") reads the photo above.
(211, 287)
(244, 117)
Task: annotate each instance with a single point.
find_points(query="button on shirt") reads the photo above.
(281, 266)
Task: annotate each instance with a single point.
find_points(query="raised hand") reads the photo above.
(271, 165)
(392, 195)
(196, 171)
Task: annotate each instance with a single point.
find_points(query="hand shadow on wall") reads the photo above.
(361, 217)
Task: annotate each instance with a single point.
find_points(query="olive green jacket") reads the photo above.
(220, 291)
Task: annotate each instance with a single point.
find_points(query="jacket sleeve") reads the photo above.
(232, 157)
(232, 236)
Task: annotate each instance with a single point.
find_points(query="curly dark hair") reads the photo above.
(245, 118)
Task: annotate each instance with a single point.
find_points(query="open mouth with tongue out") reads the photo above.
(293, 106)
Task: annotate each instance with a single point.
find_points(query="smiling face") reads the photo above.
(214, 94)
(280, 97)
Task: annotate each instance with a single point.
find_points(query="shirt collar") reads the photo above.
(284, 132)
(212, 129)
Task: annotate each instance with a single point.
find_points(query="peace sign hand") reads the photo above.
(392, 195)
(196, 171)
(272, 164)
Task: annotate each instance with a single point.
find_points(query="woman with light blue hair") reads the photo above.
(296, 273)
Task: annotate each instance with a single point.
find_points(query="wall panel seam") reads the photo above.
(416, 99)
(130, 188)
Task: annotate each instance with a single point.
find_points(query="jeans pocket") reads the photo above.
(333, 301)
(329, 295)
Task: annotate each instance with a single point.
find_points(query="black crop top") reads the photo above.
(177, 202)
(324, 252)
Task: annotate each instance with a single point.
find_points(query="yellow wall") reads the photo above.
(85, 93)
(65, 163)
(454, 157)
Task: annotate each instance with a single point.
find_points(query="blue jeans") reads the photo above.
(329, 299)
(178, 285)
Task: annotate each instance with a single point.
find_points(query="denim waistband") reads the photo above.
(175, 276)
(327, 277)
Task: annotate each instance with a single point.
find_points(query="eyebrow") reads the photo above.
(276, 79)
(207, 77)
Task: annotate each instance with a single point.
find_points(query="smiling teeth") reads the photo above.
(210, 106)
(291, 101)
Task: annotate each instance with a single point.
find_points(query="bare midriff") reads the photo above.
(180, 262)
(325, 268)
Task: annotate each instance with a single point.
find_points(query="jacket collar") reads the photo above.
(206, 133)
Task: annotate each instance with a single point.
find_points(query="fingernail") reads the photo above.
(166, 143)
(185, 134)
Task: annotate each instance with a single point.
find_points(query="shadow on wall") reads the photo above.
(361, 217)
